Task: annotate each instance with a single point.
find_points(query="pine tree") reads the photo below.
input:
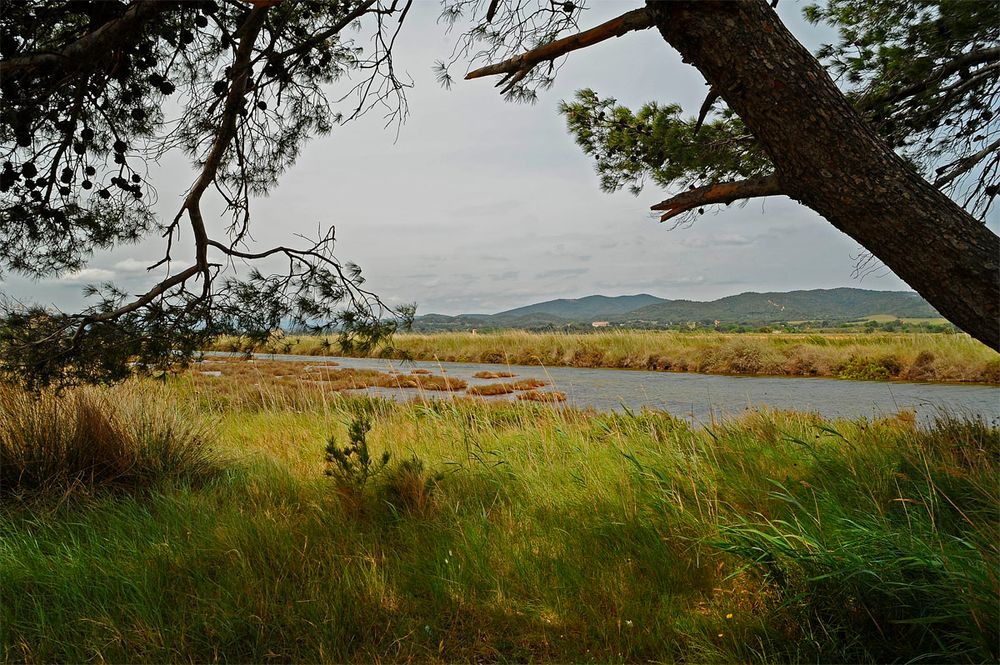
(914, 123)
(95, 90)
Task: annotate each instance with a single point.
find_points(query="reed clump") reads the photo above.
(529, 384)
(494, 375)
(87, 439)
(542, 396)
(506, 388)
(285, 379)
(490, 389)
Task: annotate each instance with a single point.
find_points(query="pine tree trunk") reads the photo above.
(829, 159)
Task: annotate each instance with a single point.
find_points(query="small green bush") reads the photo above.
(352, 466)
(859, 368)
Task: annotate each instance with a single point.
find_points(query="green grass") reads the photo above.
(864, 356)
(524, 533)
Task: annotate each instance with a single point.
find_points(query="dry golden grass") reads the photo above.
(899, 356)
(491, 389)
(86, 437)
(280, 375)
(539, 396)
(505, 388)
(529, 384)
(494, 375)
(433, 382)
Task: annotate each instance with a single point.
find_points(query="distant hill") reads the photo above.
(818, 304)
(644, 310)
(590, 308)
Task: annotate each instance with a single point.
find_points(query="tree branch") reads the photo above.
(720, 192)
(89, 48)
(492, 10)
(335, 29)
(143, 300)
(706, 106)
(518, 67)
(227, 129)
(947, 69)
(964, 165)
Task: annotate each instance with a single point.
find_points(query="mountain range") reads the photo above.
(644, 310)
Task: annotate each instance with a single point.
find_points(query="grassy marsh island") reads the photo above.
(237, 520)
(861, 356)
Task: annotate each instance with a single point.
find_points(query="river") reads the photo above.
(703, 396)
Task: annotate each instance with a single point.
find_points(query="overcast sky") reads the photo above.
(481, 205)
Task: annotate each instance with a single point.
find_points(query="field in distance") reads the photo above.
(859, 356)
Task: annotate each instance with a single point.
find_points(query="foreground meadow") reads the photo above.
(154, 522)
(859, 356)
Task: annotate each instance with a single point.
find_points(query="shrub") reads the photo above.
(891, 363)
(991, 372)
(409, 488)
(804, 361)
(858, 368)
(89, 438)
(352, 465)
(922, 367)
(657, 362)
(588, 356)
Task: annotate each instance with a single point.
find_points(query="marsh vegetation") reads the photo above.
(216, 525)
(860, 356)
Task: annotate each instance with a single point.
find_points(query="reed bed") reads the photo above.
(513, 531)
(219, 375)
(863, 356)
(489, 389)
(494, 375)
(540, 396)
(89, 438)
(529, 384)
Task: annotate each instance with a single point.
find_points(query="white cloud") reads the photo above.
(708, 242)
(88, 275)
(485, 206)
(132, 265)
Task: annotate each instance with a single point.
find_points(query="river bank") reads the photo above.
(857, 356)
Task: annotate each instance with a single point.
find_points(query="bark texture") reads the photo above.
(828, 158)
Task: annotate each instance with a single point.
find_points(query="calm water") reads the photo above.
(700, 396)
